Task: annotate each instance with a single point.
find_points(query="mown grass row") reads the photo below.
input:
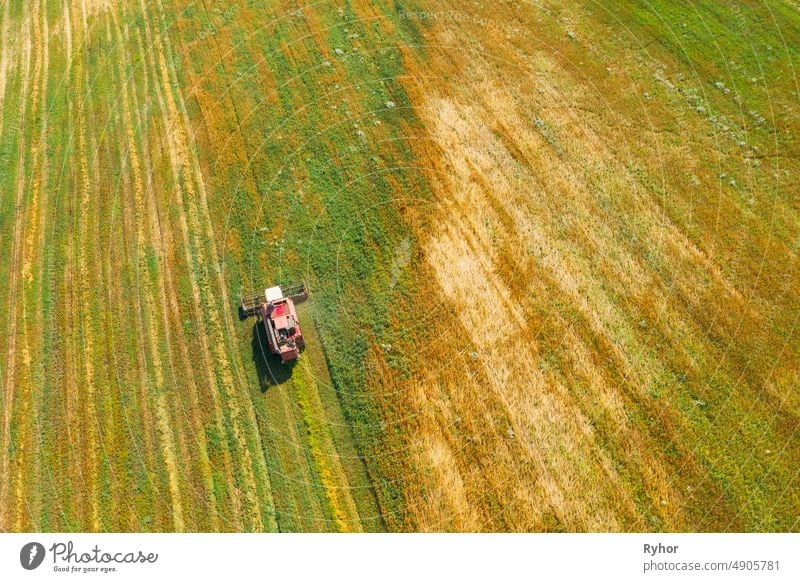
(306, 186)
(100, 456)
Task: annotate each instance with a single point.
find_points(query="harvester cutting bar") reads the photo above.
(251, 304)
(297, 292)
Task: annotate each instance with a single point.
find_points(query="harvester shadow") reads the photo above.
(271, 372)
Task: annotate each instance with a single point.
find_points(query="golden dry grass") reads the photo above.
(586, 323)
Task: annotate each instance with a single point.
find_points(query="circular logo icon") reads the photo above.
(31, 555)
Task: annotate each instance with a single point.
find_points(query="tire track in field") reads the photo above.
(93, 316)
(142, 378)
(148, 215)
(122, 307)
(109, 455)
(89, 423)
(320, 441)
(205, 352)
(133, 226)
(163, 237)
(66, 319)
(186, 168)
(70, 356)
(44, 491)
(4, 60)
(26, 386)
(115, 337)
(80, 357)
(16, 295)
(147, 311)
(115, 451)
(34, 246)
(302, 504)
(144, 218)
(228, 333)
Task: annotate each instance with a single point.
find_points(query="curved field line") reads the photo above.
(186, 169)
(205, 352)
(162, 238)
(10, 382)
(141, 216)
(132, 224)
(34, 246)
(198, 307)
(228, 331)
(4, 60)
(85, 309)
(145, 216)
(320, 440)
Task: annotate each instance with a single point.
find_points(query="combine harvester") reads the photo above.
(276, 308)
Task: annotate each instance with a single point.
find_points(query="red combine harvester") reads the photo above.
(276, 307)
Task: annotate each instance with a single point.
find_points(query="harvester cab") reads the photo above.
(276, 309)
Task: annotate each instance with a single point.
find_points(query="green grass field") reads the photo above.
(552, 252)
